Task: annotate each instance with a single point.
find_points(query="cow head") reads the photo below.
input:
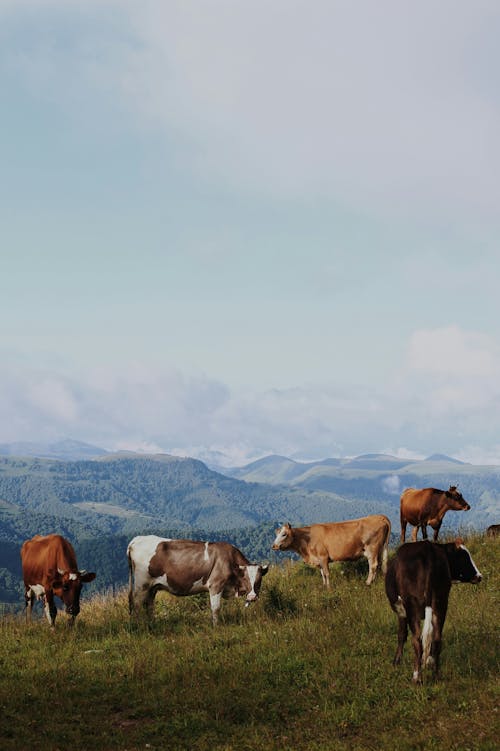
(67, 586)
(283, 538)
(462, 567)
(455, 500)
(250, 580)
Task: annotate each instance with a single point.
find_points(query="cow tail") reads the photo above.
(385, 547)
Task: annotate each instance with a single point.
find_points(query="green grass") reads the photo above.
(301, 669)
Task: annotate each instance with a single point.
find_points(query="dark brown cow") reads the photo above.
(417, 584)
(319, 544)
(187, 567)
(427, 506)
(493, 530)
(50, 569)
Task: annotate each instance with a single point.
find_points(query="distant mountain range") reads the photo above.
(66, 449)
(277, 469)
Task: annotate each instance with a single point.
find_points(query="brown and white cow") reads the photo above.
(50, 569)
(418, 583)
(493, 530)
(427, 506)
(187, 567)
(319, 544)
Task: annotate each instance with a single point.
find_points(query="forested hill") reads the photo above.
(129, 493)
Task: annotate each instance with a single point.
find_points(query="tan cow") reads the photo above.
(427, 506)
(319, 544)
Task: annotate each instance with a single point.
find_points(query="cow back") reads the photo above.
(184, 562)
(347, 540)
(44, 554)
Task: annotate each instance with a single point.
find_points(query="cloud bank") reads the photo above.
(445, 397)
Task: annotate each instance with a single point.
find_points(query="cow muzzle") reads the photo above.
(251, 597)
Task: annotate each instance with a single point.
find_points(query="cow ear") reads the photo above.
(87, 576)
(264, 569)
(459, 542)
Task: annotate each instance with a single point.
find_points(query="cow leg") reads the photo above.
(403, 530)
(50, 608)
(148, 603)
(423, 527)
(325, 571)
(414, 534)
(436, 531)
(438, 623)
(215, 603)
(29, 597)
(372, 565)
(402, 636)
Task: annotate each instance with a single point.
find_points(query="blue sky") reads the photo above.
(231, 229)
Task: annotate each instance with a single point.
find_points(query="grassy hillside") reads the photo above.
(303, 669)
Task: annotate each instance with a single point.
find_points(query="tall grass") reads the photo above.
(301, 669)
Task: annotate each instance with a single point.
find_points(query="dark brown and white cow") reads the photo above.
(493, 530)
(417, 584)
(50, 569)
(319, 544)
(187, 567)
(427, 506)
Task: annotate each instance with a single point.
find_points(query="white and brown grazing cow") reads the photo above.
(427, 506)
(319, 544)
(187, 567)
(418, 584)
(50, 569)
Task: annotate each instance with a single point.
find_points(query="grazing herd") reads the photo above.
(417, 580)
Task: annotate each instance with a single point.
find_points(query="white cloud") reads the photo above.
(450, 351)
(391, 485)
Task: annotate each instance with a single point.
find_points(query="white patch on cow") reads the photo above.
(252, 572)
(478, 573)
(400, 608)
(143, 548)
(215, 603)
(206, 551)
(38, 590)
(427, 632)
(140, 551)
(73, 577)
(415, 676)
(280, 537)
